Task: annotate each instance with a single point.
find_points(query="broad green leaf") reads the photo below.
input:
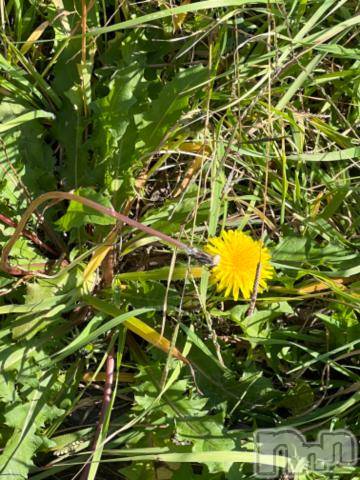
(207, 433)
(26, 419)
(175, 403)
(25, 117)
(8, 392)
(78, 215)
(168, 107)
(111, 114)
(40, 305)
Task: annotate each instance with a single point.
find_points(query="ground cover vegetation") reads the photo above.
(119, 356)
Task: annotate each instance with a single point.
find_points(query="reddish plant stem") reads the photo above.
(106, 402)
(110, 367)
(4, 264)
(31, 236)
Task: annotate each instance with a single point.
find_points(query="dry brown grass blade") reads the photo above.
(201, 151)
(34, 36)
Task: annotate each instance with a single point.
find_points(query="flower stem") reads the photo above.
(58, 196)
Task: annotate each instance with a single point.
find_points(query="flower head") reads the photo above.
(237, 256)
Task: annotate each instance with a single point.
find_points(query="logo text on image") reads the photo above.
(338, 447)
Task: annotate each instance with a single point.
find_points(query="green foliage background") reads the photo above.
(189, 116)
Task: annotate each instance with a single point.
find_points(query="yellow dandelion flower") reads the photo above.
(237, 256)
